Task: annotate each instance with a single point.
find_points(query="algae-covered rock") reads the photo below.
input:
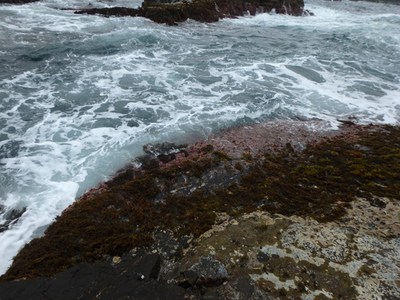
(300, 258)
(297, 216)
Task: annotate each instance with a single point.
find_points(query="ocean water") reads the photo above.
(80, 95)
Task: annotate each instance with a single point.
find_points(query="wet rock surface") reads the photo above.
(130, 278)
(173, 12)
(289, 210)
(10, 217)
(17, 1)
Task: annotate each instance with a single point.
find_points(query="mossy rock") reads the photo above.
(319, 182)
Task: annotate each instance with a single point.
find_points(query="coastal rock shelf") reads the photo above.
(275, 210)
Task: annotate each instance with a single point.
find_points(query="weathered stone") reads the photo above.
(301, 257)
(210, 272)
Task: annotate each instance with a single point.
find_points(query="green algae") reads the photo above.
(319, 182)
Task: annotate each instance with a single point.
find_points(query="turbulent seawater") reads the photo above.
(80, 95)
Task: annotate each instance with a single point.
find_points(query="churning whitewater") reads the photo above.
(80, 95)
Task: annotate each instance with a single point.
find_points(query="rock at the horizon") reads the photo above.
(172, 12)
(17, 1)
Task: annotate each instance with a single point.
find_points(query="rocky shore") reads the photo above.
(172, 12)
(16, 1)
(279, 210)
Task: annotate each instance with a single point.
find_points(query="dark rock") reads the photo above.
(148, 290)
(262, 257)
(148, 162)
(347, 122)
(148, 266)
(210, 272)
(121, 177)
(11, 217)
(82, 281)
(172, 12)
(100, 281)
(111, 11)
(163, 148)
(25, 289)
(307, 12)
(162, 152)
(376, 202)
(165, 158)
(237, 8)
(17, 1)
(244, 287)
(210, 294)
(190, 278)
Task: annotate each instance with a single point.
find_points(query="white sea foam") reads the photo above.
(80, 95)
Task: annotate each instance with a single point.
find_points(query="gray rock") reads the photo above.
(210, 272)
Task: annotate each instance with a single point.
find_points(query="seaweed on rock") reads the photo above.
(319, 182)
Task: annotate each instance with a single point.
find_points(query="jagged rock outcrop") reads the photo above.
(17, 1)
(172, 12)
